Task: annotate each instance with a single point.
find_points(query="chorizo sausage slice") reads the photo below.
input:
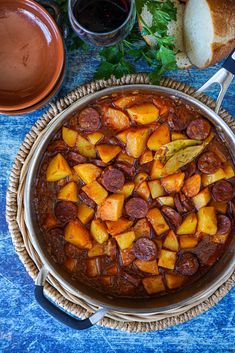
(136, 207)
(65, 211)
(207, 252)
(179, 120)
(133, 280)
(99, 163)
(86, 199)
(113, 179)
(89, 119)
(178, 204)
(173, 216)
(224, 224)
(75, 158)
(145, 249)
(189, 169)
(209, 163)
(127, 168)
(182, 203)
(232, 207)
(187, 264)
(222, 191)
(198, 129)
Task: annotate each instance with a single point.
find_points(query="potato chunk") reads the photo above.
(106, 280)
(173, 183)
(92, 269)
(157, 220)
(166, 201)
(208, 179)
(95, 191)
(95, 137)
(207, 221)
(96, 250)
(124, 102)
(188, 241)
(173, 280)
(118, 226)
(122, 136)
(139, 178)
(156, 188)
(85, 148)
(202, 199)
(123, 157)
(111, 208)
(69, 192)
(143, 191)
(154, 284)
(178, 136)
(142, 228)
(49, 221)
(108, 152)
(77, 235)
(125, 240)
(127, 189)
(146, 157)
(167, 259)
(147, 266)
(228, 170)
(116, 119)
(87, 172)
(127, 256)
(69, 136)
(146, 113)
(136, 142)
(99, 231)
(58, 168)
(159, 137)
(70, 264)
(157, 170)
(85, 213)
(189, 225)
(192, 185)
(171, 241)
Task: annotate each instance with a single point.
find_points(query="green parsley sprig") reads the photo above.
(119, 59)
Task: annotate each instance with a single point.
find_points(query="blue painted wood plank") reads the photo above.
(25, 327)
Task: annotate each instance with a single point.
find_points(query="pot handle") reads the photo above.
(223, 77)
(56, 312)
(53, 8)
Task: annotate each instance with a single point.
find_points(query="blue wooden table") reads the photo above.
(25, 327)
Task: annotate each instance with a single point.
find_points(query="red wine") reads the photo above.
(101, 16)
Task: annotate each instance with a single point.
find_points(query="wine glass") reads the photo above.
(102, 25)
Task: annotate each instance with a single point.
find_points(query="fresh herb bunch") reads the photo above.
(119, 59)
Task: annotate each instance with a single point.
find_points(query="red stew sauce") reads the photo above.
(135, 195)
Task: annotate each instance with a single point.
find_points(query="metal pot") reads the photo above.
(200, 290)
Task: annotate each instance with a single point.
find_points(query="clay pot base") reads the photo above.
(32, 54)
(42, 102)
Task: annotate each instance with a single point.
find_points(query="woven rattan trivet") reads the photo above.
(15, 218)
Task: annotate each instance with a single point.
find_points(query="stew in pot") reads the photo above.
(135, 195)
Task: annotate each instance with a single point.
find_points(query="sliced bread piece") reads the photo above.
(174, 29)
(209, 30)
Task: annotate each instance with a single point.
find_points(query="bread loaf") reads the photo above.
(209, 30)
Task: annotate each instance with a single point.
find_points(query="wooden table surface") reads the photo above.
(25, 327)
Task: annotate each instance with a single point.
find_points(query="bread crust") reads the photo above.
(223, 19)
